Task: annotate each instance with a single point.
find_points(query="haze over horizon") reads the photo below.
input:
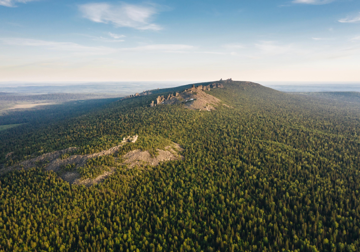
(81, 41)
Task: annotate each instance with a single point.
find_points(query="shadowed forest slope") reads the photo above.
(271, 171)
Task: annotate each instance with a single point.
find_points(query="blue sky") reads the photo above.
(258, 40)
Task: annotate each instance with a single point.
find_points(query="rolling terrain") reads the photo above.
(258, 170)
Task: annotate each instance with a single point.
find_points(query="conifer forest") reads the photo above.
(263, 171)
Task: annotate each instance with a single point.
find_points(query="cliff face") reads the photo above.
(193, 98)
(194, 88)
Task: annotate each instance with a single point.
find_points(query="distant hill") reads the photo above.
(270, 171)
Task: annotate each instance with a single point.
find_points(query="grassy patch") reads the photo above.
(64, 156)
(66, 168)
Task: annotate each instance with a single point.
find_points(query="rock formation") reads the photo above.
(162, 99)
(129, 139)
(144, 93)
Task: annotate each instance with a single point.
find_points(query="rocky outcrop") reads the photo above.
(207, 88)
(193, 90)
(129, 139)
(144, 93)
(160, 99)
(217, 85)
(54, 161)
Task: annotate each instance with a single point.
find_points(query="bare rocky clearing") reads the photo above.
(53, 161)
(202, 101)
(135, 158)
(143, 158)
(193, 98)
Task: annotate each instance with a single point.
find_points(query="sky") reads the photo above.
(179, 40)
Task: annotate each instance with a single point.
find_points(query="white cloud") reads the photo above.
(322, 39)
(102, 39)
(233, 46)
(314, 2)
(116, 36)
(353, 19)
(58, 46)
(356, 38)
(92, 50)
(273, 48)
(12, 3)
(161, 47)
(123, 15)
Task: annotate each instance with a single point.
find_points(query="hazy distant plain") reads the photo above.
(127, 88)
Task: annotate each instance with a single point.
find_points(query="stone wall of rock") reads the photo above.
(161, 99)
(144, 93)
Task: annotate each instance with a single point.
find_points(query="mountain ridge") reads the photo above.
(274, 171)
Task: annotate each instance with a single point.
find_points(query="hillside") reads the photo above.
(270, 171)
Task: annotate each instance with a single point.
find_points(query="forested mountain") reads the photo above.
(269, 171)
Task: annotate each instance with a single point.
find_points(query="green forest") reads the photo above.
(269, 172)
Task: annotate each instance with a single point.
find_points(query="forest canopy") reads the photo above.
(269, 172)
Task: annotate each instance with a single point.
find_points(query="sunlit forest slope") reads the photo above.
(268, 172)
